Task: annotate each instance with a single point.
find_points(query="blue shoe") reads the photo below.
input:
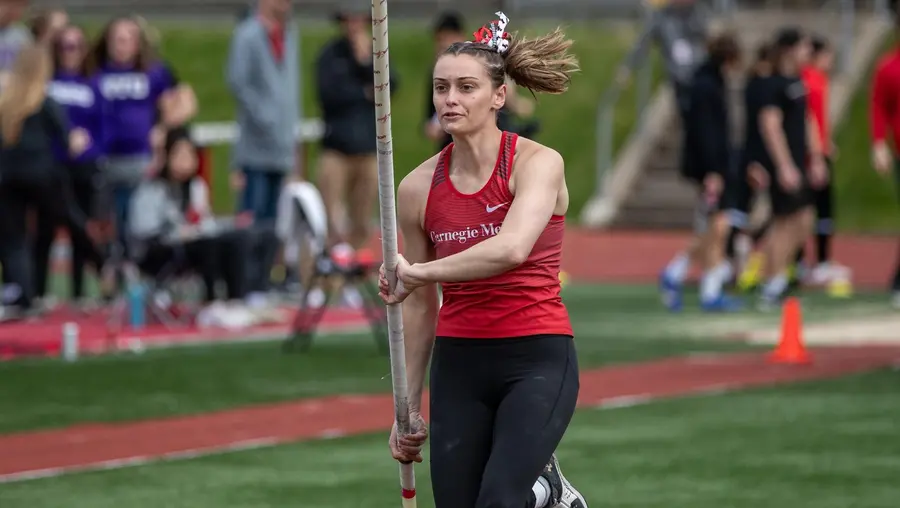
(723, 303)
(670, 292)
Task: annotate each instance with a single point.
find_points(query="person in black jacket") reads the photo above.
(708, 162)
(347, 172)
(30, 125)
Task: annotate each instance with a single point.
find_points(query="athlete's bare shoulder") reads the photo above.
(418, 181)
(530, 152)
(412, 193)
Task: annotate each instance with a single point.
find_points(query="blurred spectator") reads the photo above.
(13, 36)
(244, 11)
(46, 25)
(172, 226)
(264, 76)
(448, 29)
(708, 161)
(140, 93)
(790, 152)
(816, 76)
(74, 88)
(885, 118)
(30, 124)
(742, 240)
(348, 172)
(680, 28)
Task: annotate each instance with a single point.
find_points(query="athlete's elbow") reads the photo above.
(514, 253)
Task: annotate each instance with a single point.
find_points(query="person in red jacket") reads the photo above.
(816, 78)
(885, 124)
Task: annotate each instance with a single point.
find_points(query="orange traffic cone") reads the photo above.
(790, 348)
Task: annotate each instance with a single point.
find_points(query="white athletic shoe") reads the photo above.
(563, 494)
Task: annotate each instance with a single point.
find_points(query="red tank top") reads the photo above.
(521, 302)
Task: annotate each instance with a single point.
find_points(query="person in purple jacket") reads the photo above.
(142, 97)
(75, 89)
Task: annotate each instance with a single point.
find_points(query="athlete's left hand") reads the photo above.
(407, 281)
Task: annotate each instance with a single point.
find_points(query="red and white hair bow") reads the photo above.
(494, 34)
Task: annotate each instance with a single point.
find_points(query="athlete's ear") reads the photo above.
(499, 97)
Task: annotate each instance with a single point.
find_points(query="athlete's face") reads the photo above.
(464, 96)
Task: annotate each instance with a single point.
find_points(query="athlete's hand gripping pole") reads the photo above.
(389, 233)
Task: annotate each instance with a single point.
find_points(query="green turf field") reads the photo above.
(568, 122)
(818, 445)
(825, 444)
(614, 324)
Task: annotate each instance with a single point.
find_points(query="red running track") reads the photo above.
(91, 446)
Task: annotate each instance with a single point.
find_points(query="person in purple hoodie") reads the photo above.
(75, 89)
(143, 97)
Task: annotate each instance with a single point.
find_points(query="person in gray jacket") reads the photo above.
(680, 27)
(263, 75)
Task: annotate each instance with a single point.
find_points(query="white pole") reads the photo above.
(389, 233)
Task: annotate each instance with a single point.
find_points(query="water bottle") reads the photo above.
(136, 304)
(70, 341)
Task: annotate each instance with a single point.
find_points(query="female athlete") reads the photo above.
(485, 219)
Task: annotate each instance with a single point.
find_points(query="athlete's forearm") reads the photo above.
(491, 257)
(419, 320)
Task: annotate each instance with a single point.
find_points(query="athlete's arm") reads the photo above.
(421, 306)
(539, 180)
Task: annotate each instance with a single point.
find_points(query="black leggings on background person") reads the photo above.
(84, 191)
(52, 196)
(223, 257)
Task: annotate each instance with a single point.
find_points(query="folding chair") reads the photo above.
(166, 296)
(301, 219)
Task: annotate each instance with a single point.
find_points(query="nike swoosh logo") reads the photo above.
(489, 208)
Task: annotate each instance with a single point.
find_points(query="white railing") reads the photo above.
(226, 133)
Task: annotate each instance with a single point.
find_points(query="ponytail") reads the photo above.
(542, 64)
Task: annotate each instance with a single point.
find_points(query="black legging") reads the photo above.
(499, 408)
(84, 189)
(50, 193)
(215, 258)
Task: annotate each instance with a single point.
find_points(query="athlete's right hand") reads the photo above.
(406, 282)
(789, 177)
(408, 448)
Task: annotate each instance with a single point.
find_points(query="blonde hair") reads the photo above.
(541, 65)
(24, 91)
